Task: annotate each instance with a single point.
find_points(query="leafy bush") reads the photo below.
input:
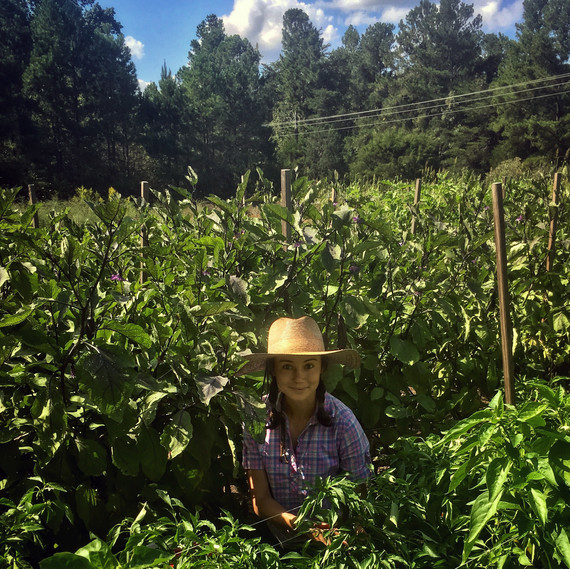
(116, 390)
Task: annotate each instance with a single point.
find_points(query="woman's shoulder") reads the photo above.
(339, 411)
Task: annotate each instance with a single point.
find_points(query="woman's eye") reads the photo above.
(309, 366)
(286, 366)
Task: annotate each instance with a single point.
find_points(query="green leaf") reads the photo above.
(17, 318)
(466, 424)
(99, 555)
(92, 457)
(125, 455)
(66, 561)
(212, 308)
(496, 476)
(133, 332)
(562, 545)
(530, 410)
(281, 212)
(538, 502)
(177, 434)
(104, 375)
(4, 276)
(153, 455)
(143, 557)
(404, 350)
(210, 386)
(560, 322)
(482, 511)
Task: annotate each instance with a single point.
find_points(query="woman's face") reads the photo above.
(298, 377)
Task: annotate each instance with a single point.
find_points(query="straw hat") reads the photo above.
(297, 337)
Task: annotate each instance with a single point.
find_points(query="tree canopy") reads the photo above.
(435, 91)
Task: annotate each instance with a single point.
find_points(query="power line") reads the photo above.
(345, 116)
(448, 101)
(381, 119)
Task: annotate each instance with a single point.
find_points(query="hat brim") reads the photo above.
(256, 362)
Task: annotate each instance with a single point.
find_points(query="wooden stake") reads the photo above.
(145, 195)
(416, 202)
(33, 201)
(553, 223)
(504, 301)
(286, 200)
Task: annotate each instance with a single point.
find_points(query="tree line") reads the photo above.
(434, 92)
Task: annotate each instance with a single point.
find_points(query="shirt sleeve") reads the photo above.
(354, 449)
(251, 457)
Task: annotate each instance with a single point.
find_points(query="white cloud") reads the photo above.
(143, 85)
(261, 21)
(136, 47)
(393, 15)
(496, 14)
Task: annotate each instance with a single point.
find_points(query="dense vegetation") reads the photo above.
(437, 91)
(120, 410)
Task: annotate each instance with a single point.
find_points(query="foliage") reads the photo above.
(118, 363)
(492, 491)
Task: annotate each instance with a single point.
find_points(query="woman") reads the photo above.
(309, 432)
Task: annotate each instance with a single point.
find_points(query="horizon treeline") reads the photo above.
(436, 92)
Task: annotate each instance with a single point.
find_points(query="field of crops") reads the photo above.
(121, 413)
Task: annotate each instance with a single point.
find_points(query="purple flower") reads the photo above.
(205, 273)
(353, 269)
(335, 203)
(357, 219)
(117, 277)
(297, 244)
(486, 208)
(520, 219)
(400, 243)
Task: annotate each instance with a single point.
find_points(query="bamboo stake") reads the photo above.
(553, 222)
(416, 202)
(145, 195)
(286, 201)
(504, 301)
(33, 201)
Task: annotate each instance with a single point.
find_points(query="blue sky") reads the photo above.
(159, 30)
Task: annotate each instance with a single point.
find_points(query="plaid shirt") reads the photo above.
(321, 451)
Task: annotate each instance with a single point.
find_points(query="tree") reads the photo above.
(222, 85)
(533, 120)
(439, 48)
(14, 54)
(82, 87)
(168, 132)
(299, 77)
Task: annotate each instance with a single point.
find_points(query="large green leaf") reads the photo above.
(496, 476)
(563, 546)
(177, 434)
(125, 455)
(133, 332)
(99, 555)
(210, 386)
(404, 350)
(153, 455)
(66, 561)
(92, 456)
(482, 511)
(105, 374)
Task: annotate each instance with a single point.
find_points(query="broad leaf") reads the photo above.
(210, 386)
(177, 434)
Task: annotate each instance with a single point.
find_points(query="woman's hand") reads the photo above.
(317, 533)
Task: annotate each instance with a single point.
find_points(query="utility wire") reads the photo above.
(437, 106)
(419, 103)
(381, 118)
